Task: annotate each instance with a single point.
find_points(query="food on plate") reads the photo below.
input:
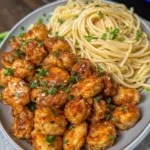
(73, 84)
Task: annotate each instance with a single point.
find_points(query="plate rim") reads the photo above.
(133, 144)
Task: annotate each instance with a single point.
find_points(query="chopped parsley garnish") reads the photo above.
(76, 43)
(1, 87)
(11, 39)
(60, 21)
(67, 90)
(90, 37)
(62, 85)
(30, 67)
(107, 29)
(57, 35)
(17, 53)
(53, 111)
(8, 71)
(16, 94)
(147, 89)
(97, 99)
(73, 78)
(52, 90)
(126, 27)
(111, 137)
(40, 20)
(138, 35)
(104, 36)
(121, 39)
(41, 73)
(113, 119)
(49, 17)
(57, 54)
(43, 83)
(76, 16)
(108, 100)
(34, 84)
(22, 34)
(111, 107)
(32, 106)
(38, 26)
(100, 14)
(11, 59)
(50, 139)
(70, 97)
(100, 71)
(22, 27)
(123, 108)
(79, 60)
(107, 116)
(33, 100)
(113, 34)
(40, 44)
(70, 127)
(65, 142)
(45, 91)
(0, 96)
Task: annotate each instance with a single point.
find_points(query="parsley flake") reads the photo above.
(100, 14)
(32, 106)
(33, 84)
(52, 90)
(138, 35)
(40, 20)
(113, 119)
(65, 142)
(8, 71)
(76, 16)
(111, 138)
(113, 34)
(100, 71)
(104, 36)
(97, 99)
(30, 67)
(16, 94)
(70, 127)
(50, 139)
(53, 111)
(41, 73)
(60, 21)
(107, 116)
(90, 37)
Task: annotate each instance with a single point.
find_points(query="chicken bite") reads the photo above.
(88, 87)
(74, 137)
(125, 116)
(56, 76)
(98, 111)
(44, 142)
(15, 42)
(101, 136)
(39, 31)
(60, 59)
(5, 76)
(35, 52)
(56, 43)
(50, 121)
(83, 68)
(49, 97)
(17, 93)
(23, 69)
(126, 95)
(77, 110)
(23, 123)
(9, 57)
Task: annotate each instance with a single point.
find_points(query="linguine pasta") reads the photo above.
(108, 35)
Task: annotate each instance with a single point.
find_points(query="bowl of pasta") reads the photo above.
(75, 75)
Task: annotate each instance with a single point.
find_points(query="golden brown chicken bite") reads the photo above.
(98, 111)
(5, 76)
(77, 110)
(126, 95)
(35, 52)
(83, 68)
(49, 97)
(9, 57)
(125, 116)
(60, 59)
(15, 42)
(100, 136)
(23, 69)
(50, 121)
(74, 137)
(39, 31)
(17, 93)
(57, 44)
(56, 76)
(44, 142)
(88, 87)
(23, 123)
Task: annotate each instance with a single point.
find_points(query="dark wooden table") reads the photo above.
(11, 11)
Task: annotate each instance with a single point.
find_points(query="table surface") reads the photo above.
(14, 14)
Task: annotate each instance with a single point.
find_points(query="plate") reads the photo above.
(127, 140)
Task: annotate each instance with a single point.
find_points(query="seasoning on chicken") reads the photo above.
(125, 116)
(126, 95)
(50, 121)
(16, 94)
(46, 142)
(23, 123)
(100, 136)
(77, 110)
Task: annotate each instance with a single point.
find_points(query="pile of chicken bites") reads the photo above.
(60, 101)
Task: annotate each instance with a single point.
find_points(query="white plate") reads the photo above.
(127, 139)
